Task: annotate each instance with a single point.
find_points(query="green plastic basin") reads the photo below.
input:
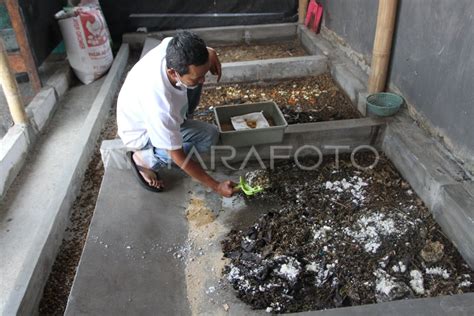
(384, 103)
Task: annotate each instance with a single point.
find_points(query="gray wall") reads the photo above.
(42, 27)
(432, 59)
(159, 15)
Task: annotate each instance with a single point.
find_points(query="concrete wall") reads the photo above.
(432, 60)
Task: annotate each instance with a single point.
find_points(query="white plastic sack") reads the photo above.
(87, 42)
(249, 121)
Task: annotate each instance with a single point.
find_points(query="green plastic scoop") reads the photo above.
(247, 189)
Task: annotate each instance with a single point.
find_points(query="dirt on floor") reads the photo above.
(303, 100)
(342, 236)
(235, 53)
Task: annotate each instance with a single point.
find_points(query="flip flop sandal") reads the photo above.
(136, 171)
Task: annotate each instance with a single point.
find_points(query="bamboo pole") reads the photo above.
(387, 14)
(302, 7)
(10, 88)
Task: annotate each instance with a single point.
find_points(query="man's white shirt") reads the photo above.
(149, 107)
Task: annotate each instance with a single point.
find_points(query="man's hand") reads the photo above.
(226, 188)
(194, 169)
(214, 63)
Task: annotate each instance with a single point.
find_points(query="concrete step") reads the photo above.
(36, 209)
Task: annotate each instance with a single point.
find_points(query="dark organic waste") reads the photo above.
(341, 237)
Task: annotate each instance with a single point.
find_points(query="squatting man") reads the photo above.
(155, 107)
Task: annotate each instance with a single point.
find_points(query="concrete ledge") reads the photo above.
(345, 135)
(344, 49)
(341, 137)
(13, 148)
(348, 81)
(225, 35)
(454, 212)
(335, 125)
(462, 304)
(41, 108)
(248, 34)
(314, 44)
(419, 160)
(39, 111)
(362, 102)
(24, 298)
(351, 79)
(438, 180)
(271, 69)
(60, 80)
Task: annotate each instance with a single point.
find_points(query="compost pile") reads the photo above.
(303, 100)
(342, 237)
(233, 53)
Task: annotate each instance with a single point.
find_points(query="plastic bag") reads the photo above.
(87, 41)
(249, 121)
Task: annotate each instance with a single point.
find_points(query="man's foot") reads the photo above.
(147, 174)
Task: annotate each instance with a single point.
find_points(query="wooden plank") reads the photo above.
(16, 62)
(22, 40)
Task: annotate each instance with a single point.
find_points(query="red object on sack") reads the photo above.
(315, 10)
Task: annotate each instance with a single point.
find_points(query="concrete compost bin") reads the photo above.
(266, 135)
